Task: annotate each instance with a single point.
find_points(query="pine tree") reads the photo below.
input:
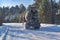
(0, 16)
(45, 10)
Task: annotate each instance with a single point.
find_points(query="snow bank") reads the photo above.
(22, 24)
(48, 25)
(13, 24)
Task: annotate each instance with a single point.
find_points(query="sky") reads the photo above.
(16, 2)
(57, 0)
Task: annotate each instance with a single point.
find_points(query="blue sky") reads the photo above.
(57, 0)
(16, 2)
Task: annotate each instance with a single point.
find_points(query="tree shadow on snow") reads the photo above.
(50, 29)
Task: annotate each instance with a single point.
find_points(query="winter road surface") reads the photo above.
(17, 31)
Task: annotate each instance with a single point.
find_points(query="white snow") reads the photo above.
(17, 31)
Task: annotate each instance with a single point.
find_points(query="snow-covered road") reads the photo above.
(17, 31)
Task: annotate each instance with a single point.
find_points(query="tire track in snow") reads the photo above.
(31, 36)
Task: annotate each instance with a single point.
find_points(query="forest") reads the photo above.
(48, 12)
